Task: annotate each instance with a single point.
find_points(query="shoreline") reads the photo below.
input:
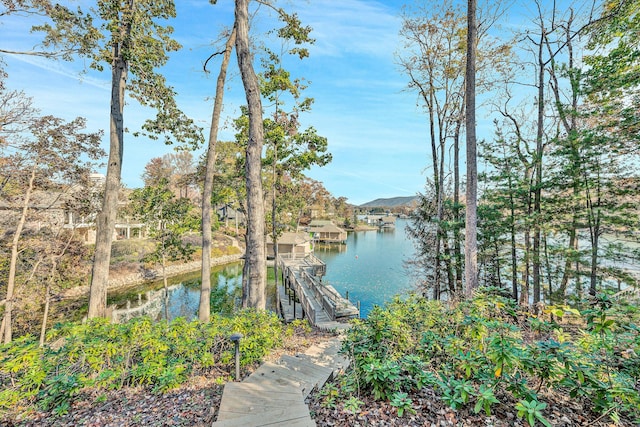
(143, 275)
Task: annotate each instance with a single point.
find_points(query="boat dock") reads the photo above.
(302, 293)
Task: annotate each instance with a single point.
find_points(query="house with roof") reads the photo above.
(298, 244)
(327, 231)
(387, 221)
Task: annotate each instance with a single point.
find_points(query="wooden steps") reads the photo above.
(262, 404)
(274, 394)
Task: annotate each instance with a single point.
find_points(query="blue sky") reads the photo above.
(376, 133)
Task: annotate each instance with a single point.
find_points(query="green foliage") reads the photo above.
(168, 219)
(485, 399)
(402, 403)
(353, 404)
(106, 356)
(480, 352)
(532, 411)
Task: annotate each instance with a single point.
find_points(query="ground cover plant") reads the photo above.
(102, 357)
(486, 355)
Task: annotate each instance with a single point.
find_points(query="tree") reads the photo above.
(568, 181)
(132, 44)
(434, 60)
(73, 26)
(290, 151)
(471, 244)
(254, 282)
(504, 194)
(168, 219)
(50, 159)
(156, 170)
(204, 309)
(613, 70)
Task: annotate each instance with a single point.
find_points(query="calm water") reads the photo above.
(184, 292)
(370, 267)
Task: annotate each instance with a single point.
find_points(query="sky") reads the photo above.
(377, 134)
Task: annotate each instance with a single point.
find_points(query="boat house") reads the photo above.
(327, 231)
(297, 244)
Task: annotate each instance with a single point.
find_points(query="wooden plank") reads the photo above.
(300, 364)
(270, 372)
(294, 416)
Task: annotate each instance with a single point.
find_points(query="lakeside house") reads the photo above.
(384, 221)
(298, 244)
(388, 221)
(327, 231)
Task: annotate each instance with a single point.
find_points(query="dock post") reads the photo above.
(294, 304)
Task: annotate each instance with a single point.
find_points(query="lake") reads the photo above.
(369, 267)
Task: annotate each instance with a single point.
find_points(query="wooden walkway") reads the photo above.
(303, 294)
(274, 394)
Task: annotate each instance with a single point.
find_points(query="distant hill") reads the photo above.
(392, 202)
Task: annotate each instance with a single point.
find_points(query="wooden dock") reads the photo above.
(303, 294)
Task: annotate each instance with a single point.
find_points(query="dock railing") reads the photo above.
(304, 272)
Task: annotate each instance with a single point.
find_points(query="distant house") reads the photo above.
(388, 221)
(290, 243)
(372, 219)
(56, 209)
(46, 209)
(327, 232)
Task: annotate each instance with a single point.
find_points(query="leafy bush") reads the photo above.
(98, 354)
(485, 352)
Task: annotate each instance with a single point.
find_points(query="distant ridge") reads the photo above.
(392, 202)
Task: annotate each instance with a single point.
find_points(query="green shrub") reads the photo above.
(97, 354)
(474, 351)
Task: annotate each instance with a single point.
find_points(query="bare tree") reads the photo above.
(204, 307)
(254, 281)
(471, 231)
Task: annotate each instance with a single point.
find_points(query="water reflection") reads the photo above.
(183, 297)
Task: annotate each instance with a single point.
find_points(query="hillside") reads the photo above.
(392, 202)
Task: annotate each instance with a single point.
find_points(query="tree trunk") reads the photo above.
(45, 316)
(537, 209)
(471, 231)
(573, 248)
(514, 256)
(255, 257)
(274, 225)
(436, 183)
(594, 230)
(6, 330)
(457, 247)
(524, 293)
(204, 308)
(106, 220)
